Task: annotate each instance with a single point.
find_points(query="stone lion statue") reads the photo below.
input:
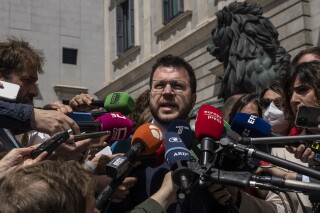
(247, 45)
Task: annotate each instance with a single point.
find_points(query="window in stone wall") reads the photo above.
(69, 56)
(125, 26)
(171, 9)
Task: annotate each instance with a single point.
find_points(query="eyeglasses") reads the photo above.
(302, 89)
(264, 103)
(177, 86)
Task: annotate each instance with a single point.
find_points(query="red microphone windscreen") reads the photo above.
(150, 136)
(119, 125)
(209, 123)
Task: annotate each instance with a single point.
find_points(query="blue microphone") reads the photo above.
(122, 146)
(81, 116)
(178, 156)
(183, 129)
(247, 125)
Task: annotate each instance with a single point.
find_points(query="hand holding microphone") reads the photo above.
(224, 194)
(178, 156)
(114, 102)
(65, 109)
(82, 102)
(146, 139)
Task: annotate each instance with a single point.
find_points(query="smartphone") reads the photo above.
(97, 137)
(308, 117)
(51, 144)
(9, 91)
(89, 126)
(81, 116)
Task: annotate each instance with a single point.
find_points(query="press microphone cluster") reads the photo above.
(247, 180)
(146, 139)
(253, 153)
(183, 129)
(209, 129)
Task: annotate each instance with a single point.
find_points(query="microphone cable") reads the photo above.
(282, 200)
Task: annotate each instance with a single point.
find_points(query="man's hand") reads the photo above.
(18, 157)
(123, 190)
(65, 109)
(223, 193)
(288, 175)
(302, 153)
(71, 150)
(100, 163)
(82, 102)
(50, 122)
(167, 194)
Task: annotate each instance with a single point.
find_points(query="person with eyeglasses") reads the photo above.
(172, 95)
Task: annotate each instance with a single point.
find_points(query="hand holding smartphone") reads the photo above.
(97, 137)
(51, 144)
(308, 117)
(9, 91)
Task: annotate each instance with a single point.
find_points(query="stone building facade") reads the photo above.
(187, 35)
(71, 34)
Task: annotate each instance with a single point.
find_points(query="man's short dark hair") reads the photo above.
(175, 61)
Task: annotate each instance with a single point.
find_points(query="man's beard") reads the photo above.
(183, 114)
(25, 100)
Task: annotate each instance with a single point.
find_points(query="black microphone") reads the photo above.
(239, 179)
(89, 126)
(299, 139)
(288, 184)
(183, 129)
(250, 152)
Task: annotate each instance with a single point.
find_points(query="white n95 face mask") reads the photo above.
(275, 117)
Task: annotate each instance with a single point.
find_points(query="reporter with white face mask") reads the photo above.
(272, 104)
(275, 116)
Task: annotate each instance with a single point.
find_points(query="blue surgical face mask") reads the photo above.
(275, 117)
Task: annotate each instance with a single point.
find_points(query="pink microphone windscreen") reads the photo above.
(119, 125)
(209, 123)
